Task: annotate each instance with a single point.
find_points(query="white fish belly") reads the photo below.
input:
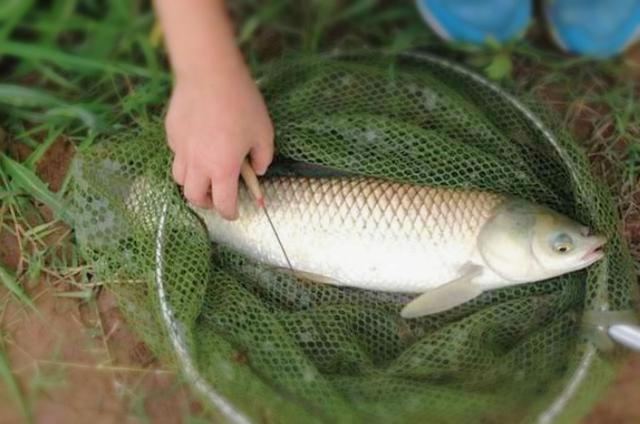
(360, 232)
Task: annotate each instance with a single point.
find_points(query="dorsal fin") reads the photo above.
(283, 166)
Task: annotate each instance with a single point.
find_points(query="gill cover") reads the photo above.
(505, 241)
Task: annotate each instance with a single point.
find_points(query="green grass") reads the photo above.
(11, 283)
(10, 382)
(80, 69)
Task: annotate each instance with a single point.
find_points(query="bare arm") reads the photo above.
(216, 115)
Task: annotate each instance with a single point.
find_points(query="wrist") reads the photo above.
(209, 70)
(200, 39)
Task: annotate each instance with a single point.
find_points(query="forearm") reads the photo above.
(200, 39)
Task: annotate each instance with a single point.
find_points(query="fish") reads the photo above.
(447, 245)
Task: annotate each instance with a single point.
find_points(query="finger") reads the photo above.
(225, 194)
(196, 189)
(171, 138)
(171, 143)
(178, 170)
(261, 157)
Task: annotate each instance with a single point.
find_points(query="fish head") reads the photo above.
(524, 242)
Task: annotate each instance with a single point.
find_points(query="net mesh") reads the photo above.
(280, 349)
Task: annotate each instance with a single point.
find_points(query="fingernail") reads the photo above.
(262, 171)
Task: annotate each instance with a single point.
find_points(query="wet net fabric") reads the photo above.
(286, 350)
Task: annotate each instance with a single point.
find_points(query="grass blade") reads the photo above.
(42, 148)
(68, 61)
(80, 294)
(12, 385)
(24, 178)
(75, 112)
(11, 13)
(11, 283)
(19, 96)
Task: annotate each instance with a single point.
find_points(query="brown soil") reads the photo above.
(77, 361)
(620, 404)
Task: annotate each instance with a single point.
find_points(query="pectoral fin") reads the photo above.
(316, 278)
(447, 296)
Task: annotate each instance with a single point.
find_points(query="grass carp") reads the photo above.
(447, 244)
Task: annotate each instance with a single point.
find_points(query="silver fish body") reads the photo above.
(361, 232)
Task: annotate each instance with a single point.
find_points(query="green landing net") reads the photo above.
(263, 347)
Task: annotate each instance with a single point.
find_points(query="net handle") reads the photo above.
(628, 335)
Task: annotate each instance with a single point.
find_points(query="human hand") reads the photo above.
(212, 124)
(216, 115)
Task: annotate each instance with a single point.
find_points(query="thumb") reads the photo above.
(261, 157)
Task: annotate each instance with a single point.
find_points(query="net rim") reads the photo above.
(556, 406)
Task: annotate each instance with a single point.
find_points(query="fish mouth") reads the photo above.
(596, 252)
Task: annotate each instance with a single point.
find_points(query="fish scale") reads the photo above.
(360, 231)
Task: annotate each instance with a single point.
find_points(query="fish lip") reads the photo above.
(593, 257)
(596, 252)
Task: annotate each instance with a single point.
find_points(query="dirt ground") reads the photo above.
(78, 361)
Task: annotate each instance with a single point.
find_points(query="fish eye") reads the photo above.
(563, 243)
